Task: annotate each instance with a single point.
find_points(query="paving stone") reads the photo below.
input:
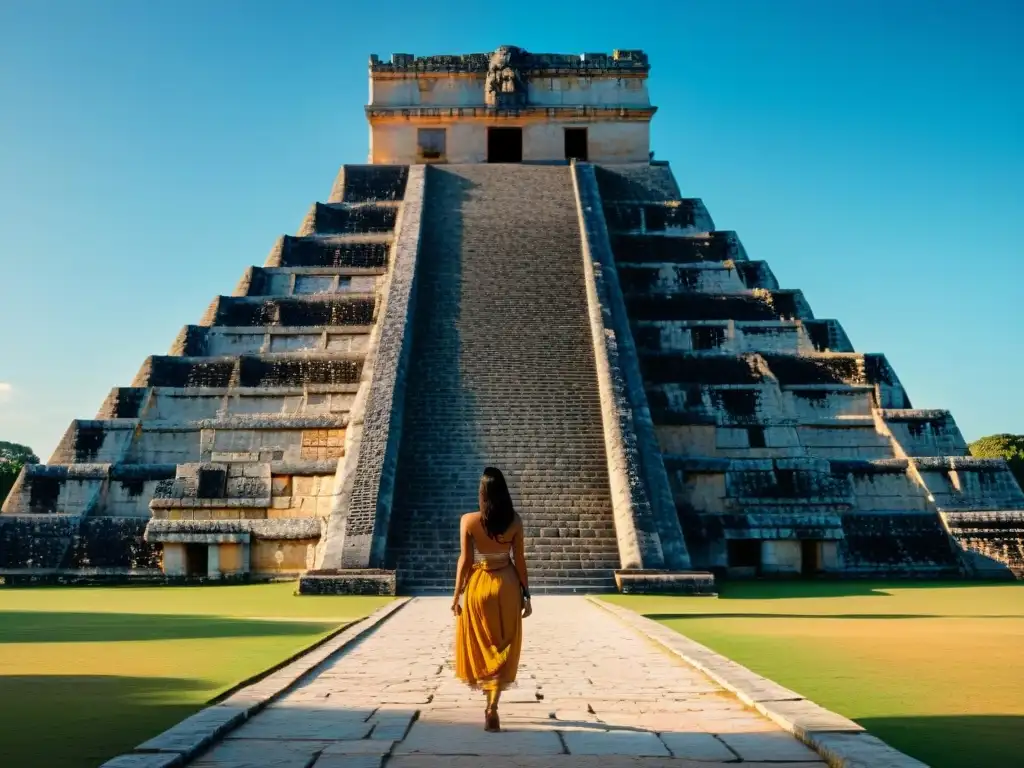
(563, 761)
(359, 747)
(253, 753)
(297, 723)
(160, 760)
(805, 716)
(196, 731)
(697, 746)
(349, 761)
(861, 750)
(636, 743)
(610, 689)
(466, 739)
(773, 745)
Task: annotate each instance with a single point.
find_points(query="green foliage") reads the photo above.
(1004, 446)
(13, 456)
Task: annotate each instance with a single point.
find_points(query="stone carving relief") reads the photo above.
(505, 85)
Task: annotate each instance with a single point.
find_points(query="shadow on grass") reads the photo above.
(785, 589)
(67, 721)
(64, 627)
(953, 741)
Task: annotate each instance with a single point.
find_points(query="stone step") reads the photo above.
(646, 279)
(268, 370)
(370, 183)
(502, 369)
(542, 563)
(852, 369)
(714, 246)
(418, 539)
(693, 305)
(539, 544)
(739, 337)
(642, 182)
(347, 218)
(675, 216)
(309, 281)
(293, 251)
(301, 311)
(174, 403)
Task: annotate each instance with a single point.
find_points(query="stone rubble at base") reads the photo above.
(662, 407)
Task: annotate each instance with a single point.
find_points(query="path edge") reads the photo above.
(841, 742)
(184, 741)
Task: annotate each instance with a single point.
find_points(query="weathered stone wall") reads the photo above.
(357, 531)
(243, 424)
(99, 545)
(746, 387)
(620, 141)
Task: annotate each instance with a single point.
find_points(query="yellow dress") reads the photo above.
(489, 630)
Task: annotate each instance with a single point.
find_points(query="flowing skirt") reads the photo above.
(489, 631)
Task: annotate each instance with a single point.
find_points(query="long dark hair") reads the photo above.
(496, 510)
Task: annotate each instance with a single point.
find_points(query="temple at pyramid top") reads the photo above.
(510, 106)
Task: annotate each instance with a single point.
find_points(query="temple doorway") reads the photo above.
(504, 145)
(576, 144)
(744, 557)
(810, 557)
(196, 560)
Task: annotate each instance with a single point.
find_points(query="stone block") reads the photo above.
(195, 732)
(268, 753)
(596, 743)
(140, 760)
(859, 750)
(348, 582)
(665, 582)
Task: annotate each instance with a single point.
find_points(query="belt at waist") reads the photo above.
(492, 564)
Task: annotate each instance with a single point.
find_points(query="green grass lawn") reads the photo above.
(935, 669)
(88, 673)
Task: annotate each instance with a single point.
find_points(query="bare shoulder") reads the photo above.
(517, 523)
(469, 518)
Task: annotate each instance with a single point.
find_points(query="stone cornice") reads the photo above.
(563, 112)
(618, 62)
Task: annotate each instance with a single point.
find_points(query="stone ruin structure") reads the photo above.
(511, 280)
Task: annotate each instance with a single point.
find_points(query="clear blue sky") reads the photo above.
(871, 151)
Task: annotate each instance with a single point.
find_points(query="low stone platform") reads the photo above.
(593, 689)
(651, 582)
(362, 581)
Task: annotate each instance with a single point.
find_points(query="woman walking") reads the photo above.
(492, 572)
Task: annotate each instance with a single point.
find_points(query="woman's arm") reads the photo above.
(465, 561)
(520, 557)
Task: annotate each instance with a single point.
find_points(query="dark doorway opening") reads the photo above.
(745, 554)
(504, 145)
(196, 560)
(576, 144)
(810, 557)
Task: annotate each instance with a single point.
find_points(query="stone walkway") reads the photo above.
(592, 691)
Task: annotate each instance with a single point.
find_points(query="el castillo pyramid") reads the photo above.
(512, 281)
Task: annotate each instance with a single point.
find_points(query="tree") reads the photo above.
(1004, 446)
(13, 457)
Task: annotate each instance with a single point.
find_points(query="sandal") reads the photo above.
(491, 722)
